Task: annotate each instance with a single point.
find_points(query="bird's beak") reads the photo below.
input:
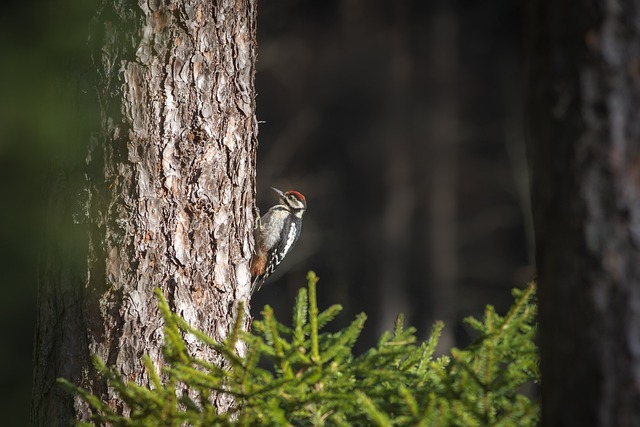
(278, 192)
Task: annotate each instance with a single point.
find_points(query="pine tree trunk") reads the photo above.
(584, 101)
(171, 186)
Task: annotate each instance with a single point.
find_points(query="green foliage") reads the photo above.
(300, 375)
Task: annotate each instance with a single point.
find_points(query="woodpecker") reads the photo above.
(277, 231)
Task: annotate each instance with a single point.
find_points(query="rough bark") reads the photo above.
(171, 186)
(584, 90)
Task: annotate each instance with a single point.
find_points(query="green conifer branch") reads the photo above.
(232, 339)
(313, 316)
(411, 402)
(326, 316)
(378, 417)
(315, 379)
(342, 342)
(300, 317)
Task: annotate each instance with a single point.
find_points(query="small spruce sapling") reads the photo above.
(313, 378)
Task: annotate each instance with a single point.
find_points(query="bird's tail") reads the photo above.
(257, 283)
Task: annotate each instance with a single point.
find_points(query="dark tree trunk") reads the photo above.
(584, 90)
(441, 187)
(171, 186)
(396, 223)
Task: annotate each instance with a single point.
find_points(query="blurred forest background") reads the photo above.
(400, 120)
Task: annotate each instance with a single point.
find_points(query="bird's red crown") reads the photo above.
(295, 193)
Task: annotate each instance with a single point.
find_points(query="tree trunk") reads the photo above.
(441, 189)
(171, 187)
(584, 92)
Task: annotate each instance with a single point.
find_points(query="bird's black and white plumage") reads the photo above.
(277, 231)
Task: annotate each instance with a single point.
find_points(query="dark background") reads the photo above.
(400, 121)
